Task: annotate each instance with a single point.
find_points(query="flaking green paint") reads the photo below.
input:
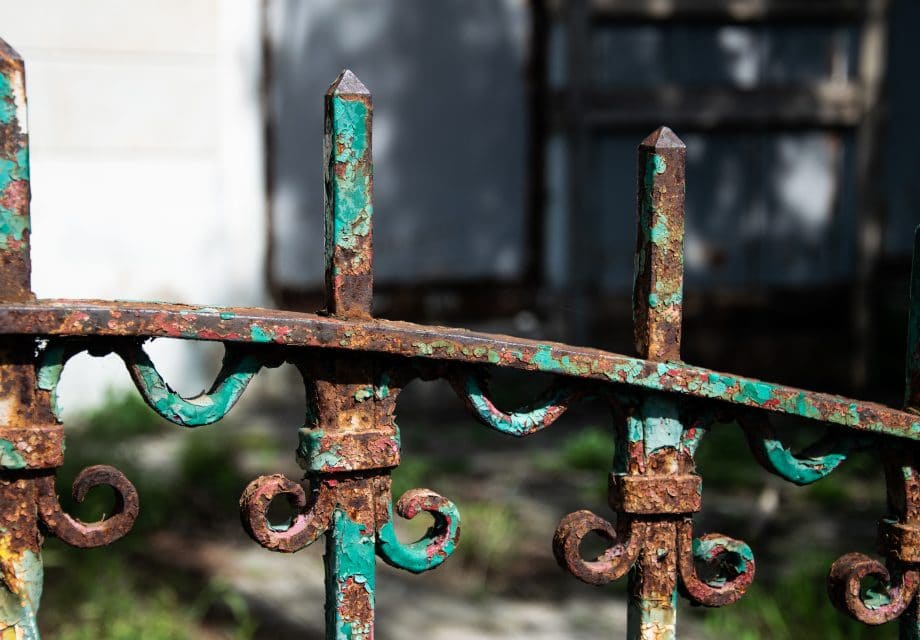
(350, 553)
(514, 423)
(258, 334)
(350, 211)
(204, 409)
(313, 455)
(7, 100)
(419, 556)
(13, 224)
(733, 553)
(48, 376)
(756, 392)
(661, 424)
(802, 470)
(10, 458)
(19, 608)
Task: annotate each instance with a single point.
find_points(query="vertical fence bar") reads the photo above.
(349, 208)
(659, 269)
(22, 406)
(351, 540)
(657, 306)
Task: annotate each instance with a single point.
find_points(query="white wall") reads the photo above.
(146, 159)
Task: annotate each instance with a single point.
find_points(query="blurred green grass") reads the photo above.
(117, 592)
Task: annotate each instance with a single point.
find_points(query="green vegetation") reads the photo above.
(120, 592)
(795, 606)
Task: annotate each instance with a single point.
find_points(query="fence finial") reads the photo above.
(349, 201)
(659, 267)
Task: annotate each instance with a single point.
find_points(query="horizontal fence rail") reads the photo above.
(354, 367)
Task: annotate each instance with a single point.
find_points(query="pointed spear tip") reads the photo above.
(347, 84)
(663, 138)
(8, 55)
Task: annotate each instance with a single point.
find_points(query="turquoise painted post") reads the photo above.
(15, 281)
(352, 539)
(654, 428)
(350, 574)
(349, 209)
(20, 406)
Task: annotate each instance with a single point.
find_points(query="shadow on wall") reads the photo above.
(449, 119)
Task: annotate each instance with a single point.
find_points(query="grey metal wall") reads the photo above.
(449, 118)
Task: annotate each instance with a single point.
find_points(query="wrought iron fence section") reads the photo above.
(354, 367)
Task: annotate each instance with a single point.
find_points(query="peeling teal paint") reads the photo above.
(514, 423)
(655, 165)
(350, 211)
(50, 368)
(350, 556)
(313, 455)
(258, 334)
(19, 603)
(661, 424)
(733, 553)
(206, 408)
(544, 359)
(10, 458)
(426, 553)
(756, 392)
(804, 470)
(7, 100)
(13, 224)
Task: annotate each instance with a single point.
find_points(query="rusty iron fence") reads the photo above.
(354, 367)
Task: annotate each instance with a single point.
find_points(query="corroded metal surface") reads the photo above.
(81, 318)
(659, 286)
(354, 367)
(349, 210)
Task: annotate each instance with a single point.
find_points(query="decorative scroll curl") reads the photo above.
(816, 461)
(545, 410)
(234, 376)
(844, 586)
(435, 546)
(86, 535)
(731, 560)
(307, 525)
(610, 565)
